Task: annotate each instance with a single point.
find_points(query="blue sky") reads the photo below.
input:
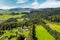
(7, 4)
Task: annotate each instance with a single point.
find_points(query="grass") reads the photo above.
(42, 34)
(5, 17)
(53, 26)
(14, 39)
(8, 33)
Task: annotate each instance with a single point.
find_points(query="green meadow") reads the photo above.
(43, 34)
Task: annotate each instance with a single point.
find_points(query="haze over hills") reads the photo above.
(28, 9)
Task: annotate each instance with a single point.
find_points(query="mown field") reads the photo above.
(53, 25)
(43, 34)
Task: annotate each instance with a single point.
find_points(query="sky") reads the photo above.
(8, 4)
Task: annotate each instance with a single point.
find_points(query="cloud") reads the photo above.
(21, 1)
(50, 4)
(7, 7)
(50, 0)
(46, 4)
(34, 5)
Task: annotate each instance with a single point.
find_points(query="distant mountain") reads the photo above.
(29, 9)
(0, 9)
(20, 9)
(45, 9)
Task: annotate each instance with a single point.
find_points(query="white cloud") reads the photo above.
(21, 1)
(7, 7)
(50, 4)
(34, 5)
(50, 0)
(46, 4)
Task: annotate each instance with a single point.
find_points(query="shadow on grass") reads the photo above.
(34, 33)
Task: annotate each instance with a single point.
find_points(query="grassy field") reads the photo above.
(5, 17)
(42, 34)
(54, 26)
